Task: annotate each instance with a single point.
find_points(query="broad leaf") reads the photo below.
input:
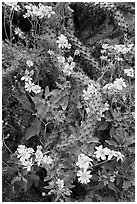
(112, 186)
(103, 126)
(25, 102)
(110, 142)
(34, 129)
(129, 141)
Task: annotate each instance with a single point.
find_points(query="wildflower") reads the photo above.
(36, 89)
(77, 52)
(111, 153)
(45, 11)
(50, 52)
(119, 84)
(119, 156)
(101, 153)
(112, 178)
(60, 184)
(29, 86)
(27, 164)
(129, 72)
(63, 42)
(13, 5)
(84, 161)
(70, 59)
(39, 156)
(84, 176)
(19, 33)
(47, 159)
(27, 78)
(61, 59)
(43, 194)
(103, 58)
(24, 153)
(105, 46)
(68, 68)
(29, 63)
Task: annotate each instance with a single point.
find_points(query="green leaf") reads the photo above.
(112, 186)
(42, 110)
(23, 184)
(127, 184)
(112, 132)
(25, 102)
(10, 170)
(47, 93)
(92, 139)
(100, 186)
(34, 129)
(110, 142)
(129, 141)
(55, 92)
(103, 126)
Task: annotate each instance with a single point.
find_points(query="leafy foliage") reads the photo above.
(80, 98)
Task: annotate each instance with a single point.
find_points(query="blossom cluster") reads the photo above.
(111, 54)
(28, 157)
(84, 162)
(29, 85)
(39, 11)
(106, 153)
(129, 72)
(13, 5)
(118, 84)
(67, 65)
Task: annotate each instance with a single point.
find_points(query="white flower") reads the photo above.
(29, 63)
(43, 194)
(84, 176)
(119, 84)
(19, 33)
(70, 59)
(24, 153)
(103, 58)
(105, 46)
(77, 52)
(13, 5)
(27, 78)
(63, 42)
(61, 59)
(110, 154)
(129, 72)
(60, 184)
(101, 153)
(68, 68)
(47, 160)
(29, 86)
(28, 164)
(36, 89)
(84, 161)
(50, 52)
(119, 156)
(44, 11)
(39, 156)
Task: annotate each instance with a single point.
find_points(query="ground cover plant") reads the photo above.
(68, 101)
